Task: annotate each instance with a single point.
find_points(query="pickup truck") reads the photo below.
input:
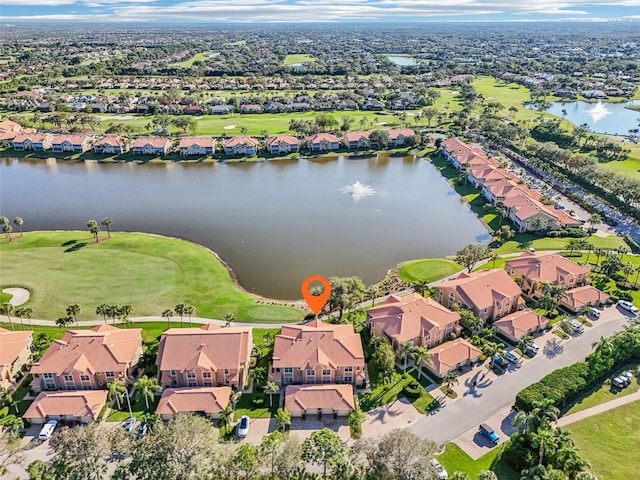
(488, 432)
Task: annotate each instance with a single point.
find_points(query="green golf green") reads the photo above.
(428, 269)
(150, 272)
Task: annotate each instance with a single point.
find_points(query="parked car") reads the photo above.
(142, 430)
(619, 382)
(47, 430)
(511, 357)
(243, 427)
(628, 306)
(532, 349)
(595, 313)
(129, 423)
(440, 471)
(576, 325)
(628, 375)
(488, 432)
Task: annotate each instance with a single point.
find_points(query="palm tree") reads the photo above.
(18, 222)
(63, 322)
(146, 387)
(604, 345)
(594, 219)
(72, 311)
(190, 310)
(93, 227)
(116, 390)
(229, 318)
(545, 411)
(283, 419)
(419, 354)
(180, 310)
(103, 309)
(107, 222)
(406, 349)
(270, 388)
(225, 417)
(543, 440)
(7, 229)
(259, 374)
(420, 286)
(168, 313)
(450, 379)
(7, 309)
(525, 422)
(627, 269)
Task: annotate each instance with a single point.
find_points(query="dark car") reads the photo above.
(142, 430)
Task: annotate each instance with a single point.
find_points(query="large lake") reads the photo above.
(274, 222)
(602, 117)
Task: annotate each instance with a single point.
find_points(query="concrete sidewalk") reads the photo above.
(603, 407)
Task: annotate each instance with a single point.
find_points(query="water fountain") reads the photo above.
(598, 112)
(357, 190)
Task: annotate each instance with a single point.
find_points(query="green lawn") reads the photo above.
(524, 241)
(299, 58)
(138, 407)
(245, 407)
(630, 166)
(428, 269)
(603, 393)
(610, 442)
(382, 394)
(150, 272)
(5, 297)
(454, 459)
(189, 62)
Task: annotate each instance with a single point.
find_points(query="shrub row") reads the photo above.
(412, 390)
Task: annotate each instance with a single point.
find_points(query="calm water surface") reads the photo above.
(402, 61)
(602, 117)
(274, 222)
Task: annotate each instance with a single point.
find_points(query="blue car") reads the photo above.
(511, 357)
(488, 432)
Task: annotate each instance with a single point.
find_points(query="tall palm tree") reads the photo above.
(63, 322)
(419, 354)
(225, 417)
(543, 440)
(72, 311)
(525, 422)
(180, 309)
(18, 222)
(168, 313)
(545, 411)
(126, 311)
(27, 312)
(420, 286)
(7, 309)
(229, 318)
(146, 387)
(7, 229)
(93, 227)
(270, 388)
(190, 310)
(19, 314)
(116, 391)
(450, 379)
(259, 374)
(107, 222)
(406, 350)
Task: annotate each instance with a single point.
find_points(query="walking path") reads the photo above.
(603, 407)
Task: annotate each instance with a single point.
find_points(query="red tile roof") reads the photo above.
(114, 141)
(72, 139)
(153, 141)
(545, 266)
(278, 139)
(357, 135)
(197, 141)
(448, 355)
(210, 400)
(484, 288)
(234, 141)
(81, 403)
(518, 324)
(394, 133)
(299, 398)
(323, 137)
(12, 343)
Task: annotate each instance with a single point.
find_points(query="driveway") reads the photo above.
(478, 403)
(399, 414)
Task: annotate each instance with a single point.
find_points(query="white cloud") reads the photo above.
(323, 10)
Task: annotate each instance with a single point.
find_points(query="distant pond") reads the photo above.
(402, 61)
(602, 117)
(274, 222)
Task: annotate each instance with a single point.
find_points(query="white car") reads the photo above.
(628, 306)
(595, 313)
(440, 471)
(243, 427)
(47, 430)
(576, 325)
(532, 349)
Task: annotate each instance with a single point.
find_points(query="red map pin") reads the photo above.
(316, 303)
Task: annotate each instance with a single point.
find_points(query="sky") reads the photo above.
(297, 11)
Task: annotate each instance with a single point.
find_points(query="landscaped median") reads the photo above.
(150, 272)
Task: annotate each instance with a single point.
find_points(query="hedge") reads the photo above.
(412, 390)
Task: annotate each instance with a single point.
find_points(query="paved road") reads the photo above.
(476, 405)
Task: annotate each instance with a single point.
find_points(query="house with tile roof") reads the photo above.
(282, 144)
(209, 356)
(412, 318)
(490, 294)
(204, 401)
(535, 269)
(9, 130)
(357, 139)
(241, 146)
(78, 406)
(521, 323)
(461, 155)
(321, 399)
(38, 142)
(71, 143)
(398, 136)
(318, 352)
(451, 355)
(15, 353)
(88, 359)
(111, 145)
(323, 142)
(196, 146)
(577, 298)
(151, 146)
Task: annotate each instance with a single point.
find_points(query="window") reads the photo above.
(208, 384)
(226, 371)
(326, 380)
(326, 373)
(173, 373)
(206, 374)
(499, 306)
(110, 374)
(348, 369)
(348, 378)
(49, 386)
(452, 297)
(192, 384)
(311, 376)
(86, 387)
(84, 378)
(288, 369)
(68, 378)
(191, 374)
(288, 380)
(48, 376)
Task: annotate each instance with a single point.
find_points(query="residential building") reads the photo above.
(535, 269)
(197, 146)
(451, 355)
(461, 155)
(323, 142)
(357, 139)
(490, 294)
(9, 130)
(520, 324)
(209, 356)
(318, 352)
(193, 110)
(71, 143)
(37, 142)
(241, 146)
(327, 399)
(151, 146)
(111, 145)
(577, 298)
(88, 359)
(204, 401)
(15, 353)
(413, 318)
(398, 136)
(282, 144)
(82, 406)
